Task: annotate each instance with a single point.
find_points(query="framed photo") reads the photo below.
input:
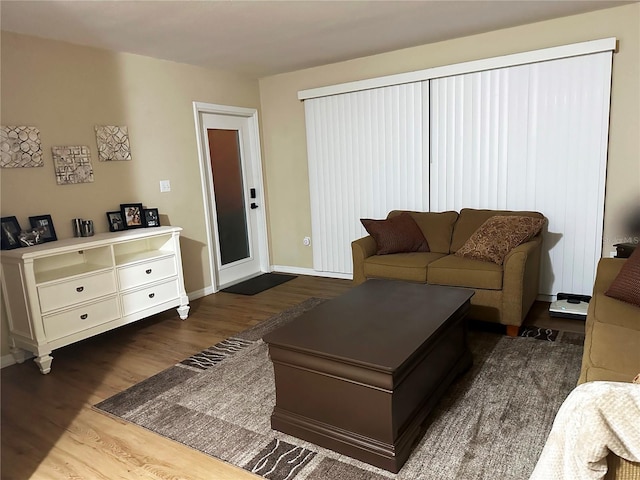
(132, 215)
(29, 238)
(151, 217)
(44, 222)
(116, 224)
(10, 231)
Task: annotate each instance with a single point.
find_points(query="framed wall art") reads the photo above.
(72, 164)
(132, 215)
(9, 233)
(46, 223)
(20, 147)
(113, 143)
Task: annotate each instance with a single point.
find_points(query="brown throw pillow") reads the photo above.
(500, 234)
(397, 234)
(626, 285)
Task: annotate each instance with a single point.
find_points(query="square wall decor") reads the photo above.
(72, 164)
(113, 143)
(20, 147)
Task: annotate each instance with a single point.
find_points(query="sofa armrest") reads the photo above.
(361, 249)
(521, 276)
(608, 269)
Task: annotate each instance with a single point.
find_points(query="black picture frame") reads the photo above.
(9, 232)
(116, 224)
(46, 223)
(150, 217)
(132, 215)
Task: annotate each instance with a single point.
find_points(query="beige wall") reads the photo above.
(65, 90)
(283, 123)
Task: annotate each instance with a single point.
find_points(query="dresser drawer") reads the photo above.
(71, 292)
(80, 318)
(146, 272)
(150, 297)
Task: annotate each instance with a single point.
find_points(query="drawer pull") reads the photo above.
(79, 289)
(84, 316)
(151, 295)
(148, 271)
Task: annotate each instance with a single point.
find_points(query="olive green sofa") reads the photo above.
(611, 347)
(503, 293)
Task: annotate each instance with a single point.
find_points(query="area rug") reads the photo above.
(259, 284)
(491, 424)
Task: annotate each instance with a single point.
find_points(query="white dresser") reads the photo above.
(60, 292)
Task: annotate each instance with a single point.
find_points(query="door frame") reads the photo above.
(254, 170)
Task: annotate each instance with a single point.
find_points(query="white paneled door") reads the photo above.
(232, 186)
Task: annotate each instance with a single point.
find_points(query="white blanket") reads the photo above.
(595, 419)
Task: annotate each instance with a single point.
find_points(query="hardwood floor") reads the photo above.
(50, 430)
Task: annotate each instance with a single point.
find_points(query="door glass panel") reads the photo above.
(226, 167)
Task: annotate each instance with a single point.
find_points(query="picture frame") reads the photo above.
(9, 233)
(114, 219)
(46, 223)
(132, 215)
(151, 217)
(29, 238)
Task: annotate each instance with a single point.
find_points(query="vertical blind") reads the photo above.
(532, 137)
(367, 155)
(527, 137)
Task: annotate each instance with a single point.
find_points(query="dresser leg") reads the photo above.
(183, 311)
(44, 362)
(20, 355)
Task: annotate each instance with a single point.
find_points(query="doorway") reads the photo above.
(231, 173)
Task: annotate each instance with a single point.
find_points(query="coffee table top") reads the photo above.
(378, 324)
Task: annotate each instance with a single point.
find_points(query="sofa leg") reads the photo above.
(512, 330)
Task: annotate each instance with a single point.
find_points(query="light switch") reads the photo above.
(165, 186)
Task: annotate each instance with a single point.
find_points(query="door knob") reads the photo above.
(253, 206)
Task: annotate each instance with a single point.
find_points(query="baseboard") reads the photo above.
(7, 361)
(546, 298)
(310, 272)
(203, 292)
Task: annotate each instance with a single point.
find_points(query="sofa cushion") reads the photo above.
(626, 285)
(470, 220)
(615, 312)
(464, 272)
(596, 374)
(437, 227)
(400, 266)
(615, 348)
(399, 234)
(500, 234)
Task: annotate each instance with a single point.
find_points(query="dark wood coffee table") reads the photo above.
(360, 373)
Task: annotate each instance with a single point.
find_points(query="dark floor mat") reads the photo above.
(258, 284)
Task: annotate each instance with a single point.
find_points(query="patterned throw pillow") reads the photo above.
(399, 234)
(626, 285)
(500, 234)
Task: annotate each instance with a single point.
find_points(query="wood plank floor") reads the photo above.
(50, 431)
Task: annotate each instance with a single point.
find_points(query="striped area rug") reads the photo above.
(491, 424)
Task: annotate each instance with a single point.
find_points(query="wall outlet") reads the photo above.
(165, 186)
(306, 241)
(613, 253)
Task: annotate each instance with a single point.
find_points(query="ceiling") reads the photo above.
(263, 37)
